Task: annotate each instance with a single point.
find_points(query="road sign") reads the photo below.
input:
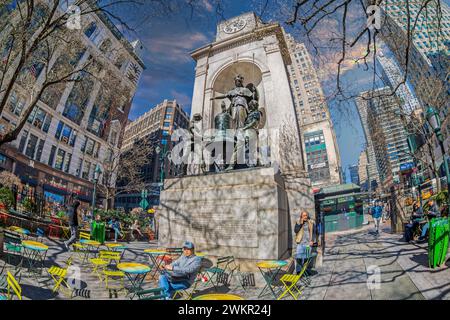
(143, 204)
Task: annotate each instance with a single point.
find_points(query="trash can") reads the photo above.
(438, 241)
(98, 231)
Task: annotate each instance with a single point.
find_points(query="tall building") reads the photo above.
(388, 135)
(430, 33)
(74, 126)
(392, 77)
(319, 140)
(354, 174)
(155, 125)
(363, 170)
(362, 105)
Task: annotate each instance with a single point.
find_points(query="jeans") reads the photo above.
(302, 254)
(424, 230)
(377, 223)
(73, 236)
(169, 288)
(116, 233)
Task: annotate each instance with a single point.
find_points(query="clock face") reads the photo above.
(235, 26)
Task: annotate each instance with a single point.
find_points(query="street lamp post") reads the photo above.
(162, 155)
(97, 174)
(435, 123)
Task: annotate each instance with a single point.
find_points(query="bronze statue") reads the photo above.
(240, 96)
(222, 121)
(248, 136)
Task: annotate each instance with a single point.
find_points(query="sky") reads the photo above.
(169, 38)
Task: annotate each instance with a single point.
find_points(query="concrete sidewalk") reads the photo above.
(345, 272)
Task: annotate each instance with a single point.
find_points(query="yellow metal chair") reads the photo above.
(102, 261)
(114, 274)
(59, 276)
(85, 236)
(290, 283)
(14, 286)
(81, 251)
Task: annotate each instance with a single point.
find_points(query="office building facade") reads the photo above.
(319, 140)
(155, 126)
(75, 126)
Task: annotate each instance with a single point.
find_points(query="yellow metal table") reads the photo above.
(34, 253)
(154, 254)
(136, 273)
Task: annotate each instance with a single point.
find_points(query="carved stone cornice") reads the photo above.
(257, 34)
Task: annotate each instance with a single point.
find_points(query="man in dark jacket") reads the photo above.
(72, 213)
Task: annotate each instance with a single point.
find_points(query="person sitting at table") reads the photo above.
(117, 228)
(135, 228)
(181, 273)
(433, 211)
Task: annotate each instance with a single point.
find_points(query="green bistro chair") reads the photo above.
(218, 274)
(12, 246)
(151, 294)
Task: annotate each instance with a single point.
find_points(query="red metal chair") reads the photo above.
(55, 228)
(4, 217)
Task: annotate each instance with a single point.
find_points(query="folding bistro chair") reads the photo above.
(217, 274)
(13, 287)
(245, 279)
(12, 246)
(54, 228)
(151, 294)
(189, 292)
(85, 236)
(290, 283)
(104, 259)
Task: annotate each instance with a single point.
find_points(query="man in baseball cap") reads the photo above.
(180, 274)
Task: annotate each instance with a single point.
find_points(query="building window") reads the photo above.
(52, 156)
(105, 46)
(16, 104)
(169, 109)
(89, 31)
(166, 124)
(67, 163)
(23, 139)
(40, 119)
(60, 159)
(2, 159)
(86, 170)
(66, 134)
(31, 146)
(39, 150)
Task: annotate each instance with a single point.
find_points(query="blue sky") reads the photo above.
(168, 39)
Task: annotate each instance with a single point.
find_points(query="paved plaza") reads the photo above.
(351, 267)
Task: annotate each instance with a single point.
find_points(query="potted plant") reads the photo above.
(6, 198)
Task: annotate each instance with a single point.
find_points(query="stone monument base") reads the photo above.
(243, 213)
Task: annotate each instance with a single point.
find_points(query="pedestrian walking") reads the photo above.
(377, 212)
(72, 213)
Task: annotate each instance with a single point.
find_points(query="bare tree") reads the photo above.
(123, 170)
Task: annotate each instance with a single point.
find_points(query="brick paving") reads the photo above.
(344, 273)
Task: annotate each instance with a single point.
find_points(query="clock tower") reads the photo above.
(244, 23)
